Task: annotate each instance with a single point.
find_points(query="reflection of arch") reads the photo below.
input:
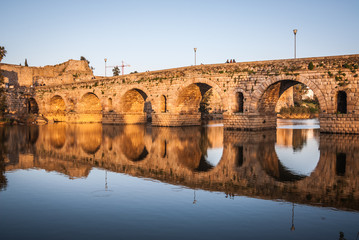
(265, 98)
(32, 134)
(203, 165)
(90, 137)
(140, 157)
(275, 153)
(133, 142)
(340, 164)
(133, 101)
(32, 106)
(164, 149)
(57, 134)
(57, 108)
(193, 147)
(239, 156)
(90, 108)
(273, 167)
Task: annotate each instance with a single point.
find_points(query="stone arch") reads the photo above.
(266, 95)
(136, 106)
(341, 99)
(234, 96)
(109, 105)
(57, 108)
(133, 101)
(189, 97)
(32, 106)
(89, 108)
(163, 103)
(239, 103)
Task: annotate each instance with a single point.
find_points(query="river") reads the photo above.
(93, 181)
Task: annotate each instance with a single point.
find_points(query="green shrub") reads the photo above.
(311, 66)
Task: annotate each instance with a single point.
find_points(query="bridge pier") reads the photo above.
(124, 118)
(176, 119)
(249, 121)
(339, 123)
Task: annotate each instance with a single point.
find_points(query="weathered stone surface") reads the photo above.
(172, 97)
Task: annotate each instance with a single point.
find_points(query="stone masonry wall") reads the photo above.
(339, 123)
(67, 72)
(240, 121)
(261, 84)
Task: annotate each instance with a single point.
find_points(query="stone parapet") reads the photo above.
(339, 123)
(175, 119)
(249, 122)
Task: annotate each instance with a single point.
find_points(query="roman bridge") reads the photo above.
(247, 164)
(245, 94)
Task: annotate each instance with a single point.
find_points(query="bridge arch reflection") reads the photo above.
(249, 164)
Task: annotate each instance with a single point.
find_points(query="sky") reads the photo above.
(154, 35)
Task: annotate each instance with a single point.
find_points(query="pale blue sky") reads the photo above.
(152, 35)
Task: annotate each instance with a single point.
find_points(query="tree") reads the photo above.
(26, 65)
(204, 107)
(116, 71)
(2, 53)
(2, 89)
(82, 58)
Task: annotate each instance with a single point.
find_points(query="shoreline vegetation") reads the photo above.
(308, 109)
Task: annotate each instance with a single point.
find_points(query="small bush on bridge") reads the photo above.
(311, 66)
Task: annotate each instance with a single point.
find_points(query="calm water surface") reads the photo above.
(92, 181)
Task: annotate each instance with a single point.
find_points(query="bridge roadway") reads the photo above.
(249, 165)
(244, 93)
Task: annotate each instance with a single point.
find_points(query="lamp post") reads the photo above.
(295, 42)
(292, 228)
(195, 51)
(105, 66)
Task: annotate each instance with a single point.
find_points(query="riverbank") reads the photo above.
(299, 112)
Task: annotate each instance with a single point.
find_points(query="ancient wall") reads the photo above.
(67, 72)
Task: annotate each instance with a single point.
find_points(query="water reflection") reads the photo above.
(3, 138)
(296, 165)
(298, 150)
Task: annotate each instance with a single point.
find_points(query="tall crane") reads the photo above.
(122, 66)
